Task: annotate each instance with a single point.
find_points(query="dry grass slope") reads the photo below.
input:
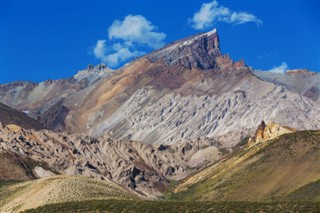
(176, 207)
(59, 189)
(267, 171)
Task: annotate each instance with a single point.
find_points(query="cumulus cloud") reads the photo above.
(282, 69)
(136, 29)
(100, 49)
(115, 55)
(125, 39)
(212, 12)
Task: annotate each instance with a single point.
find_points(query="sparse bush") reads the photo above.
(174, 206)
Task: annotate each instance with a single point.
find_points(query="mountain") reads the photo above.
(301, 81)
(177, 124)
(12, 116)
(277, 165)
(44, 101)
(185, 91)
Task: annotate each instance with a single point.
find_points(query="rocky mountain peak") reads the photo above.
(197, 51)
(98, 67)
(92, 73)
(201, 51)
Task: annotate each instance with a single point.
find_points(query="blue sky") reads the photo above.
(54, 39)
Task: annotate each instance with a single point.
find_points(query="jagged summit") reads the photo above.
(211, 32)
(92, 73)
(201, 51)
(100, 66)
(198, 51)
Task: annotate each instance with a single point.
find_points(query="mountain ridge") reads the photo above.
(155, 101)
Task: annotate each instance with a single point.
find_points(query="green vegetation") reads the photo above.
(308, 192)
(4, 183)
(169, 192)
(270, 171)
(170, 206)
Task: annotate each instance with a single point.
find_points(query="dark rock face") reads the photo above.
(262, 125)
(198, 51)
(313, 93)
(53, 117)
(163, 147)
(101, 66)
(12, 116)
(186, 148)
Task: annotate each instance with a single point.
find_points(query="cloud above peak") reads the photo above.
(115, 54)
(282, 69)
(211, 13)
(137, 29)
(126, 38)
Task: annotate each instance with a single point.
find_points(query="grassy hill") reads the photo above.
(307, 192)
(280, 169)
(31, 194)
(172, 207)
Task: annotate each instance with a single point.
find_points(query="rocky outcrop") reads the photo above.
(144, 168)
(268, 132)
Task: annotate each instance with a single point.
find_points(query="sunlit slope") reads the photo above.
(59, 189)
(278, 169)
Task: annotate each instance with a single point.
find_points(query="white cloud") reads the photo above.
(116, 55)
(282, 69)
(125, 38)
(212, 12)
(243, 17)
(100, 49)
(136, 29)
